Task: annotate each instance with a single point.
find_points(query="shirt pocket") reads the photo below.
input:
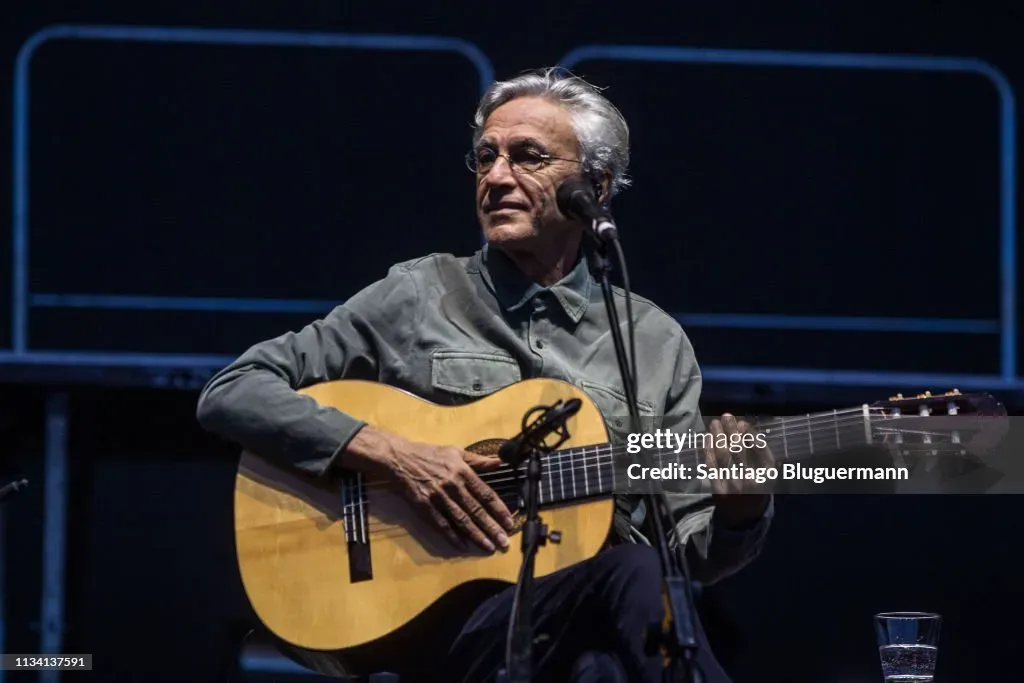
(615, 408)
(472, 374)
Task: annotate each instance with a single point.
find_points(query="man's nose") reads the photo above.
(501, 173)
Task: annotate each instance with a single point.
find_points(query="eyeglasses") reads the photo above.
(481, 161)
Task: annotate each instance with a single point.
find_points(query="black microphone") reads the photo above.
(553, 419)
(576, 199)
(13, 488)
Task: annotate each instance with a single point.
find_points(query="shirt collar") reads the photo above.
(515, 290)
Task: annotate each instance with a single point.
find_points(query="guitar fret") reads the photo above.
(540, 487)
(835, 424)
(362, 515)
(600, 486)
(551, 481)
(572, 475)
(586, 479)
(611, 473)
(346, 513)
(352, 510)
(561, 478)
(810, 435)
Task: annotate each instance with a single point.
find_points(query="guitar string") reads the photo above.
(589, 462)
(852, 417)
(506, 491)
(620, 449)
(603, 459)
(377, 528)
(573, 454)
(604, 454)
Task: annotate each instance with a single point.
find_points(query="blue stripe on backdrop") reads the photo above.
(720, 320)
(181, 303)
(711, 373)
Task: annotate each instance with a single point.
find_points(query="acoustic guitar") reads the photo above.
(348, 567)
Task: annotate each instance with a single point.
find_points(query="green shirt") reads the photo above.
(452, 329)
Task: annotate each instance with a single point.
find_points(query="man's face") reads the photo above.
(515, 205)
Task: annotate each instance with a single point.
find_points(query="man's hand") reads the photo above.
(442, 482)
(738, 502)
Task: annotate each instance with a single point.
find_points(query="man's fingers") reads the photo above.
(720, 456)
(441, 521)
(492, 503)
(729, 424)
(763, 456)
(481, 516)
(482, 463)
(454, 500)
(465, 524)
(745, 443)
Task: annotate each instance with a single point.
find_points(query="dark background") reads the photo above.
(164, 170)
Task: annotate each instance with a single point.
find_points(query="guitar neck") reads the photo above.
(586, 471)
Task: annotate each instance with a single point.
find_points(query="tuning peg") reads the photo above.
(897, 397)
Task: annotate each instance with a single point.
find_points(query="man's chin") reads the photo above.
(499, 233)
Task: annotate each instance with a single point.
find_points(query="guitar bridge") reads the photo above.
(357, 532)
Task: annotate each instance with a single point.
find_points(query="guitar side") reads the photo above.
(291, 544)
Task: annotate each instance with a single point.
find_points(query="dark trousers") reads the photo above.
(592, 617)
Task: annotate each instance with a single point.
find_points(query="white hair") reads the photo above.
(601, 130)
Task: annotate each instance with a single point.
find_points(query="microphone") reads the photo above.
(13, 488)
(553, 419)
(576, 199)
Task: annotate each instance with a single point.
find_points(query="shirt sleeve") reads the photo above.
(254, 403)
(713, 550)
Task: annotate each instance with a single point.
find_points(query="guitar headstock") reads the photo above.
(951, 422)
(950, 403)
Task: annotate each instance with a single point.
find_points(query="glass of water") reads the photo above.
(908, 644)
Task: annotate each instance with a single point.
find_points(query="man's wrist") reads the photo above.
(370, 449)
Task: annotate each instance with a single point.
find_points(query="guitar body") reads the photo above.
(296, 556)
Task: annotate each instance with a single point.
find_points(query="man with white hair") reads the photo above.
(451, 329)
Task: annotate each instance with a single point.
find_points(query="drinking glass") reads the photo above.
(908, 644)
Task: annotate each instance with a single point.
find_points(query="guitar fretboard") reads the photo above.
(600, 469)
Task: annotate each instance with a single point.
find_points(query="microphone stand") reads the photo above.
(519, 648)
(676, 636)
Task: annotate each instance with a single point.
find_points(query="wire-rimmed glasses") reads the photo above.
(481, 161)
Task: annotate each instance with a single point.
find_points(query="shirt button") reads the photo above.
(477, 385)
(540, 344)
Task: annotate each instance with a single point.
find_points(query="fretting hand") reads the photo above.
(739, 502)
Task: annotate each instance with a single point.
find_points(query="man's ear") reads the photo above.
(603, 188)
